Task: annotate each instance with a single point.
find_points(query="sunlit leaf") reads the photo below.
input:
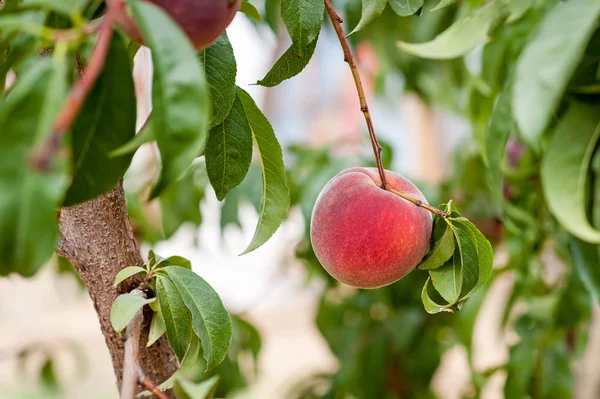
(371, 10)
(276, 195)
(547, 63)
(462, 36)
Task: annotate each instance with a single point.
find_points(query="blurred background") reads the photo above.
(297, 333)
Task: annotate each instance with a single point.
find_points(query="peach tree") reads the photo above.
(524, 73)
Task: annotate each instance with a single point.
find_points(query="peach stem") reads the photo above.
(421, 204)
(41, 158)
(337, 25)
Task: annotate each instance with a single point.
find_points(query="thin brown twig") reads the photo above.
(421, 204)
(42, 157)
(131, 357)
(74, 33)
(364, 107)
(149, 385)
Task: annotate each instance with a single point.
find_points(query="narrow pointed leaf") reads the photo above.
(303, 19)
(565, 168)
(229, 151)
(371, 10)
(462, 36)
(210, 320)
(276, 196)
(251, 11)
(157, 328)
(106, 122)
(288, 65)
(220, 70)
(175, 316)
(179, 95)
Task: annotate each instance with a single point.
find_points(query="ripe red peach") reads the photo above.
(365, 236)
(202, 20)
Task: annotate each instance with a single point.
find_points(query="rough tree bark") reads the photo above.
(96, 237)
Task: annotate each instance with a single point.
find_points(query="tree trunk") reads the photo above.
(96, 237)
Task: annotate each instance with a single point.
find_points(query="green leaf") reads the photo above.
(28, 199)
(500, 126)
(547, 63)
(432, 307)
(210, 320)
(288, 65)
(276, 195)
(462, 36)
(371, 10)
(220, 70)
(302, 19)
(565, 166)
(187, 365)
(229, 151)
(65, 7)
(484, 256)
(443, 246)
(175, 316)
(448, 279)
(405, 7)
(157, 328)
(179, 96)
(443, 4)
(523, 358)
(587, 265)
(202, 390)
(251, 11)
(177, 261)
(127, 272)
(124, 308)
(180, 202)
(105, 123)
(145, 135)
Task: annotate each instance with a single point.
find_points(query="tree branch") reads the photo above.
(149, 385)
(97, 238)
(131, 358)
(364, 107)
(41, 158)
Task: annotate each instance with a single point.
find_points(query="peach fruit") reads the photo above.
(202, 20)
(365, 236)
